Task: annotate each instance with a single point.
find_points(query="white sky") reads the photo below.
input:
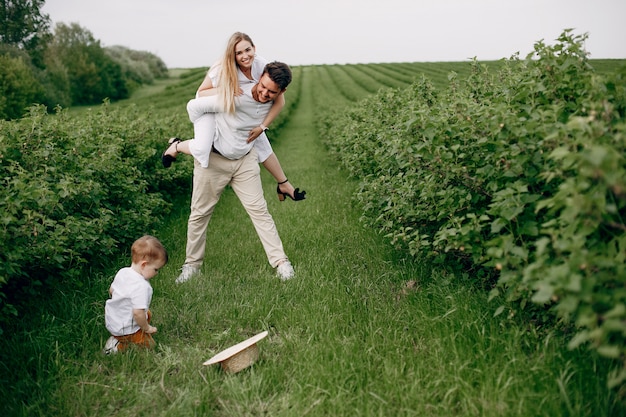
(193, 33)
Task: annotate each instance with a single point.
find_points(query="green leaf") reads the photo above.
(543, 294)
(578, 339)
(609, 351)
(619, 311)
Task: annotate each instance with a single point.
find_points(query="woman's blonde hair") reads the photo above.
(229, 81)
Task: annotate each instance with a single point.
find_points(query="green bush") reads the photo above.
(77, 190)
(519, 175)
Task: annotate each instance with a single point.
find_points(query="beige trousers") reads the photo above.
(244, 177)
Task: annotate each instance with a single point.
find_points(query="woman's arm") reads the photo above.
(275, 110)
(206, 88)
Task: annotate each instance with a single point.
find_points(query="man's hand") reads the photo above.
(254, 133)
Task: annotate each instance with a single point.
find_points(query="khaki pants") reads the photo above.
(244, 177)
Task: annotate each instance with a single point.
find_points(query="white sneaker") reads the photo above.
(285, 271)
(187, 271)
(110, 346)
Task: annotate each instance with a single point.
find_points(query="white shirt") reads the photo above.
(231, 139)
(130, 291)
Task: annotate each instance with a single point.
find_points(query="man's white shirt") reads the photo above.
(232, 130)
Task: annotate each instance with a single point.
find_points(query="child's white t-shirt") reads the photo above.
(130, 291)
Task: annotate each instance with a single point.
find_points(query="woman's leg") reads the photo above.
(268, 158)
(263, 148)
(202, 114)
(273, 166)
(204, 134)
(270, 161)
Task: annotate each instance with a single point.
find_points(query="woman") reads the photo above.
(238, 65)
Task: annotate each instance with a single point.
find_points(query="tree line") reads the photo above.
(63, 66)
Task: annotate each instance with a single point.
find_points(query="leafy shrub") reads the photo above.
(77, 190)
(519, 175)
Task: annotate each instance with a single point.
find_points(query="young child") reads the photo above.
(127, 315)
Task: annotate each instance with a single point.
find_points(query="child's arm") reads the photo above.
(275, 110)
(140, 318)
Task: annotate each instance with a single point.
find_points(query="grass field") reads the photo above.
(360, 331)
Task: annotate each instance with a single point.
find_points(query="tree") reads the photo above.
(92, 74)
(18, 87)
(138, 67)
(24, 26)
(56, 83)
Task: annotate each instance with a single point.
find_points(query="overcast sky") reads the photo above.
(193, 33)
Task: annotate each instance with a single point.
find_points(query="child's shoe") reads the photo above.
(110, 346)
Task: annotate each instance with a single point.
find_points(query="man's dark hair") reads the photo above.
(279, 72)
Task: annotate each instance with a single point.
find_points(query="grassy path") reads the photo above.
(358, 332)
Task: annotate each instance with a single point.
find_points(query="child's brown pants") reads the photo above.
(139, 338)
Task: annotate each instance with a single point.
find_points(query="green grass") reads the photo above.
(360, 331)
(174, 76)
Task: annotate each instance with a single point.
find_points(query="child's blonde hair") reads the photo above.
(148, 248)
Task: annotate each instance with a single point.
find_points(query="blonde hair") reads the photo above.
(229, 81)
(148, 248)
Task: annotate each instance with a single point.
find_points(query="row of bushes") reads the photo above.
(75, 190)
(518, 176)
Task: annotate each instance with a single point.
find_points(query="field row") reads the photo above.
(339, 85)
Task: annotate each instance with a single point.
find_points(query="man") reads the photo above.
(234, 161)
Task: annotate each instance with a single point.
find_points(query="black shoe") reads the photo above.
(297, 194)
(168, 159)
